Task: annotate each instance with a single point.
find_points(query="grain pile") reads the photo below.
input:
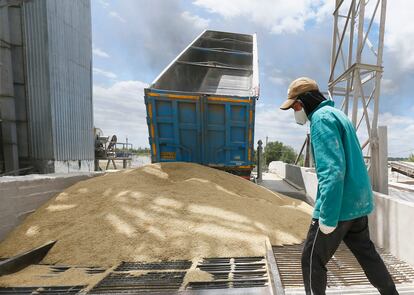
(160, 212)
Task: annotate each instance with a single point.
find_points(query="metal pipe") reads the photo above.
(379, 63)
(337, 4)
(382, 160)
(361, 15)
(350, 49)
(369, 27)
(335, 58)
(301, 151)
(364, 144)
(369, 100)
(308, 152)
(259, 160)
(364, 105)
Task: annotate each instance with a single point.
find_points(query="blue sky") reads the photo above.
(133, 40)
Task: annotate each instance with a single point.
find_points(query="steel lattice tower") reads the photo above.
(355, 77)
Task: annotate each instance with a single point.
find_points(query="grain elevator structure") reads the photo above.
(46, 112)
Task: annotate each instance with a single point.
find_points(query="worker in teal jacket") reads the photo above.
(344, 197)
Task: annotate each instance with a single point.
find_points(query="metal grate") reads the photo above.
(55, 271)
(162, 277)
(176, 264)
(127, 283)
(58, 269)
(94, 270)
(343, 269)
(239, 272)
(54, 290)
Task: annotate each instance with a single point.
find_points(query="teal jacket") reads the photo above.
(344, 188)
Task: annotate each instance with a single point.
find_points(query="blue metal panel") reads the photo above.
(176, 125)
(215, 131)
(227, 131)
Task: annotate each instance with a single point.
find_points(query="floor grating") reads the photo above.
(144, 278)
(165, 277)
(176, 264)
(239, 272)
(53, 290)
(344, 270)
(139, 284)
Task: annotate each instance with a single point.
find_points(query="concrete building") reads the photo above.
(46, 112)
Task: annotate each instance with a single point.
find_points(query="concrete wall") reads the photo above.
(390, 226)
(389, 223)
(294, 174)
(278, 167)
(302, 177)
(74, 166)
(22, 195)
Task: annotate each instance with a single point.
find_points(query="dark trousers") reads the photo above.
(319, 248)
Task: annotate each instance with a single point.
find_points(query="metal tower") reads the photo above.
(355, 77)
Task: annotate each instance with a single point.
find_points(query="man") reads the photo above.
(344, 197)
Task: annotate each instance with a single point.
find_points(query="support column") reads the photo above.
(7, 103)
(259, 160)
(382, 185)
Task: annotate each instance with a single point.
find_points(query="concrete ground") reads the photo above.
(396, 191)
(400, 186)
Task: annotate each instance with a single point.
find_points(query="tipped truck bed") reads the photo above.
(201, 107)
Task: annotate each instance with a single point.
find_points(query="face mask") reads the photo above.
(300, 117)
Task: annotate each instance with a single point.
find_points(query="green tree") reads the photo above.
(411, 158)
(140, 151)
(277, 151)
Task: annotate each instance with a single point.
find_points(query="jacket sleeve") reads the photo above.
(330, 168)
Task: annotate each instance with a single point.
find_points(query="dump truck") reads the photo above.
(201, 107)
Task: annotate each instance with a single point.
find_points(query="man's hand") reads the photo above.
(326, 229)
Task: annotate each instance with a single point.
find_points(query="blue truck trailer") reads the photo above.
(201, 108)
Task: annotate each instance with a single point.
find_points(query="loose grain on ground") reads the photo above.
(160, 212)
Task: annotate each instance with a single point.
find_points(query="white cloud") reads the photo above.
(116, 15)
(278, 125)
(324, 10)
(198, 22)
(400, 134)
(99, 52)
(279, 16)
(388, 86)
(279, 78)
(120, 109)
(104, 73)
(399, 37)
(113, 14)
(104, 3)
